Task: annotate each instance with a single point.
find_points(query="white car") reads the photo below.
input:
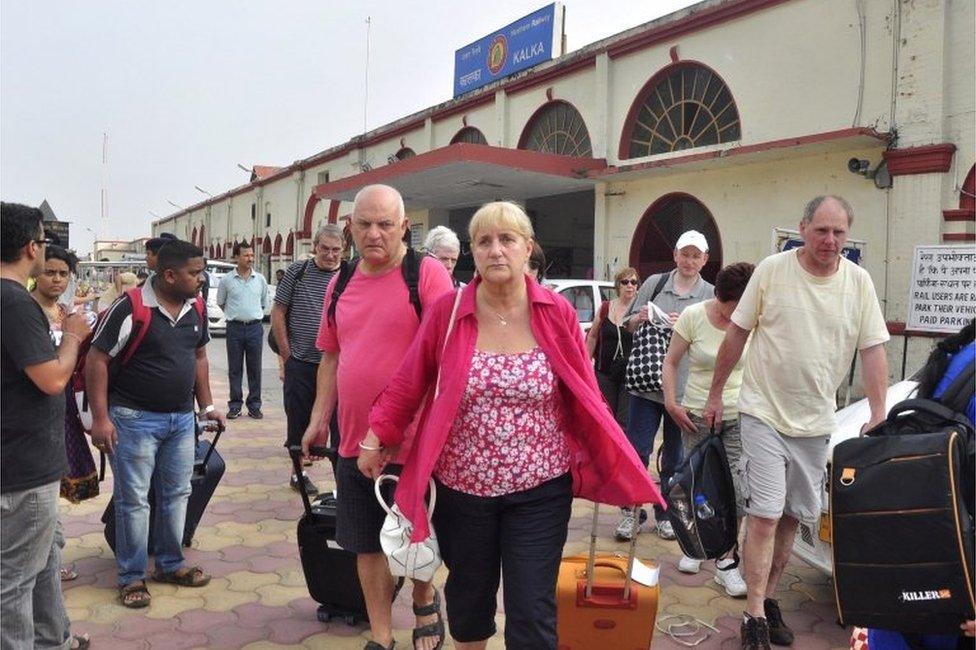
(585, 295)
(812, 544)
(216, 320)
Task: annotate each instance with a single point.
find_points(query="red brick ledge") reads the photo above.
(959, 215)
(959, 236)
(898, 328)
(929, 159)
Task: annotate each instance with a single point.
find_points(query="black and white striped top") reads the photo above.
(303, 298)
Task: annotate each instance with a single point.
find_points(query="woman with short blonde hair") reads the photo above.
(513, 427)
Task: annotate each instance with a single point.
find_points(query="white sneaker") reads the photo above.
(732, 580)
(664, 530)
(627, 527)
(689, 564)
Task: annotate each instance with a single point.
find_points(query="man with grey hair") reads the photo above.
(443, 244)
(808, 310)
(364, 335)
(295, 321)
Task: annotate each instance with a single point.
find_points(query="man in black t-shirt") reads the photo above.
(143, 418)
(295, 321)
(33, 376)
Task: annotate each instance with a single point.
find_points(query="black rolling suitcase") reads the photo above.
(208, 469)
(330, 570)
(903, 541)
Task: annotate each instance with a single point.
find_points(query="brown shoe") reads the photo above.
(186, 577)
(135, 595)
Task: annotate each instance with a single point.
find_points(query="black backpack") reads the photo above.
(272, 341)
(701, 502)
(410, 268)
(901, 508)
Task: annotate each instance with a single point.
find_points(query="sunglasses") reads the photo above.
(633, 282)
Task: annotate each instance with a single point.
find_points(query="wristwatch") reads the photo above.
(208, 409)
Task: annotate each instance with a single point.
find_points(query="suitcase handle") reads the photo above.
(217, 428)
(591, 560)
(295, 451)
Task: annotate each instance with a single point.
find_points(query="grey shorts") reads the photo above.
(782, 475)
(733, 449)
(359, 517)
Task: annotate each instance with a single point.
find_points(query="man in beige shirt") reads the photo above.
(809, 310)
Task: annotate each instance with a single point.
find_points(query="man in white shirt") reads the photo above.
(809, 311)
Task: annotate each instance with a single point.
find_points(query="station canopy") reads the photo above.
(464, 175)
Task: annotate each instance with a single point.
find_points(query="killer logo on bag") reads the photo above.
(915, 596)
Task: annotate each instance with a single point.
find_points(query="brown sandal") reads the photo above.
(135, 595)
(187, 577)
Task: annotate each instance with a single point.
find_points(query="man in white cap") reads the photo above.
(672, 291)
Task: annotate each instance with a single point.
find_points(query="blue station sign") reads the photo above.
(527, 42)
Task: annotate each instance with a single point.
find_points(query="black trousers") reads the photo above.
(521, 533)
(299, 396)
(244, 344)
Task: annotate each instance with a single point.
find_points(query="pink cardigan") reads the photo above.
(605, 467)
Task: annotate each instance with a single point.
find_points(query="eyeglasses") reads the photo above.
(47, 241)
(633, 282)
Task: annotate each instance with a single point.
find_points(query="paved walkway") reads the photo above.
(258, 597)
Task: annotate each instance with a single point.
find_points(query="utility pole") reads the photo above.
(103, 221)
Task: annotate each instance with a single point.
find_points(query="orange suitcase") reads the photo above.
(599, 606)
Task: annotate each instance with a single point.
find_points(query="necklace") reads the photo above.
(501, 319)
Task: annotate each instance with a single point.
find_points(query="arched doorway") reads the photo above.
(652, 249)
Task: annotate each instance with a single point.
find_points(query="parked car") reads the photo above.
(216, 320)
(217, 270)
(585, 295)
(812, 543)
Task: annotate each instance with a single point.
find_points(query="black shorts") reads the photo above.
(359, 517)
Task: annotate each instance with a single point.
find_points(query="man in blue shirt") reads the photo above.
(243, 295)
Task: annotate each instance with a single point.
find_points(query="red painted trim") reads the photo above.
(646, 221)
(959, 236)
(290, 244)
(959, 215)
(748, 149)
(464, 105)
(544, 163)
(898, 328)
(693, 22)
(930, 159)
(534, 79)
(333, 217)
(967, 197)
(623, 151)
(673, 53)
(306, 231)
(529, 123)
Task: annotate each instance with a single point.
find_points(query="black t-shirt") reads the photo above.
(161, 375)
(31, 422)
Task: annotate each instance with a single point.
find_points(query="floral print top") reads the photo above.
(509, 435)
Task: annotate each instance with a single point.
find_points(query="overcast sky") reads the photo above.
(187, 90)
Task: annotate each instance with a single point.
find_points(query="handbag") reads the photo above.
(415, 560)
(651, 341)
(81, 480)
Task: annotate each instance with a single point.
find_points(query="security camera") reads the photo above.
(858, 166)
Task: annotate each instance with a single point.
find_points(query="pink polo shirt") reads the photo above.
(374, 326)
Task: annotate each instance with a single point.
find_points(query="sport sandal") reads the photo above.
(135, 595)
(435, 629)
(187, 577)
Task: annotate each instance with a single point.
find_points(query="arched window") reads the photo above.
(202, 235)
(683, 106)
(557, 128)
(266, 245)
(290, 244)
(652, 249)
(277, 244)
(470, 135)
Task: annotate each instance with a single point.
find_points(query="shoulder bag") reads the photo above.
(646, 361)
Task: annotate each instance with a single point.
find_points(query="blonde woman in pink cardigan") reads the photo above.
(513, 426)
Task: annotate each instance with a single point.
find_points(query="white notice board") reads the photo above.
(942, 296)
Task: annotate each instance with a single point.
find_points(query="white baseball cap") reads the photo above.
(692, 238)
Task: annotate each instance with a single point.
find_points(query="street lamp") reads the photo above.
(175, 205)
(154, 214)
(244, 169)
(200, 189)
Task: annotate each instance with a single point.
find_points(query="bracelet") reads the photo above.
(365, 447)
(207, 409)
(72, 334)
